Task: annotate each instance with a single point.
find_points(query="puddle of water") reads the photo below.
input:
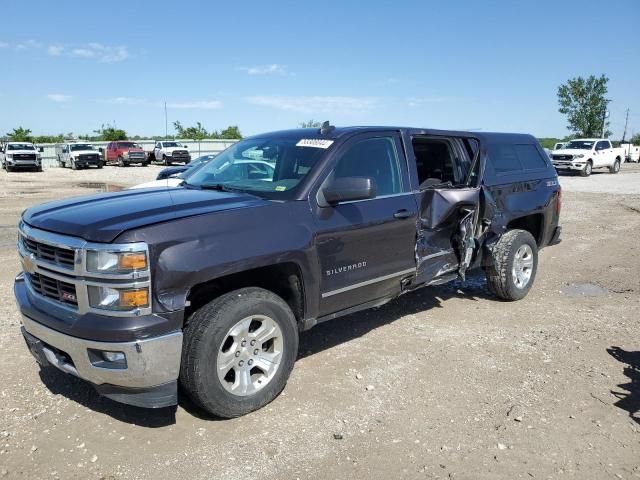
(103, 187)
(584, 290)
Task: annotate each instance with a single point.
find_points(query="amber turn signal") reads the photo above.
(132, 261)
(134, 298)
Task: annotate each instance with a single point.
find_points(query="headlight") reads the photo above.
(101, 261)
(9, 157)
(579, 155)
(107, 298)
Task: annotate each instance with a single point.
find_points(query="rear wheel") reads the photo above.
(238, 352)
(615, 168)
(588, 168)
(515, 262)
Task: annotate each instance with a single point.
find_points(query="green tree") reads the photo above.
(635, 139)
(548, 142)
(584, 103)
(49, 139)
(231, 132)
(310, 124)
(110, 133)
(20, 135)
(197, 133)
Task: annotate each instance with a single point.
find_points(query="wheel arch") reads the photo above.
(532, 223)
(284, 279)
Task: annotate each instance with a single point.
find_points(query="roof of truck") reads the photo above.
(337, 132)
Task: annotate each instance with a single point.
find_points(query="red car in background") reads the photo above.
(125, 153)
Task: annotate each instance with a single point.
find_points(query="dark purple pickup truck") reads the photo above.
(209, 284)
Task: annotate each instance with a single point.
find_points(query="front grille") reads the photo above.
(562, 157)
(52, 288)
(136, 155)
(64, 257)
(89, 157)
(179, 153)
(24, 156)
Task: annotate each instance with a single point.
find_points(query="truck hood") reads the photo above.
(21, 152)
(85, 152)
(102, 217)
(571, 151)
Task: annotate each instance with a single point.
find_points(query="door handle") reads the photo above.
(400, 214)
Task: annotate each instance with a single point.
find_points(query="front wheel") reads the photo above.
(588, 168)
(615, 168)
(515, 262)
(165, 161)
(73, 165)
(238, 352)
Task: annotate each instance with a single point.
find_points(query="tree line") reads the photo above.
(109, 133)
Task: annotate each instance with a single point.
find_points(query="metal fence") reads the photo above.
(195, 148)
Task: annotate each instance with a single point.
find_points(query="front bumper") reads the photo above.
(568, 165)
(149, 363)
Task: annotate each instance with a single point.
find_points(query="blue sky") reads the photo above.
(493, 65)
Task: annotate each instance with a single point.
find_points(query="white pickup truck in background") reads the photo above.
(15, 155)
(585, 154)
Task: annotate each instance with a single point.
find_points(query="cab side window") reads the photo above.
(375, 158)
(602, 145)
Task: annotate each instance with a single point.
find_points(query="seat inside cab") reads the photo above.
(439, 162)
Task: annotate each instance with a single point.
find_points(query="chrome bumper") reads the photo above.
(150, 362)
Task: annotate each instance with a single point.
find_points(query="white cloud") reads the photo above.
(265, 69)
(315, 104)
(195, 105)
(28, 44)
(58, 97)
(55, 50)
(201, 105)
(103, 53)
(417, 101)
(127, 101)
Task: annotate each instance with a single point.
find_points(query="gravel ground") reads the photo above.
(446, 382)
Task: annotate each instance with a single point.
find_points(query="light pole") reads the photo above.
(605, 115)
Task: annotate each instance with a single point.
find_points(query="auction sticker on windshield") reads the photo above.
(315, 143)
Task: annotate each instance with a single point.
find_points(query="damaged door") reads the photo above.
(449, 203)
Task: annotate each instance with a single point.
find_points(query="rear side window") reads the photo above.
(508, 158)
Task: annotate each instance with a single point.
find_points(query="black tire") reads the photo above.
(500, 278)
(165, 161)
(121, 162)
(615, 168)
(73, 165)
(588, 168)
(8, 168)
(100, 164)
(204, 335)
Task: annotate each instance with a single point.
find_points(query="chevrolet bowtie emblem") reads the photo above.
(29, 263)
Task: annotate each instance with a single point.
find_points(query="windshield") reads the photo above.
(269, 167)
(81, 146)
(170, 144)
(579, 145)
(20, 146)
(128, 145)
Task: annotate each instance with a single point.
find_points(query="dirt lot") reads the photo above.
(446, 382)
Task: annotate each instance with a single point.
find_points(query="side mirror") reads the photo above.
(347, 189)
(41, 149)
(100, 149)
(186, 147)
